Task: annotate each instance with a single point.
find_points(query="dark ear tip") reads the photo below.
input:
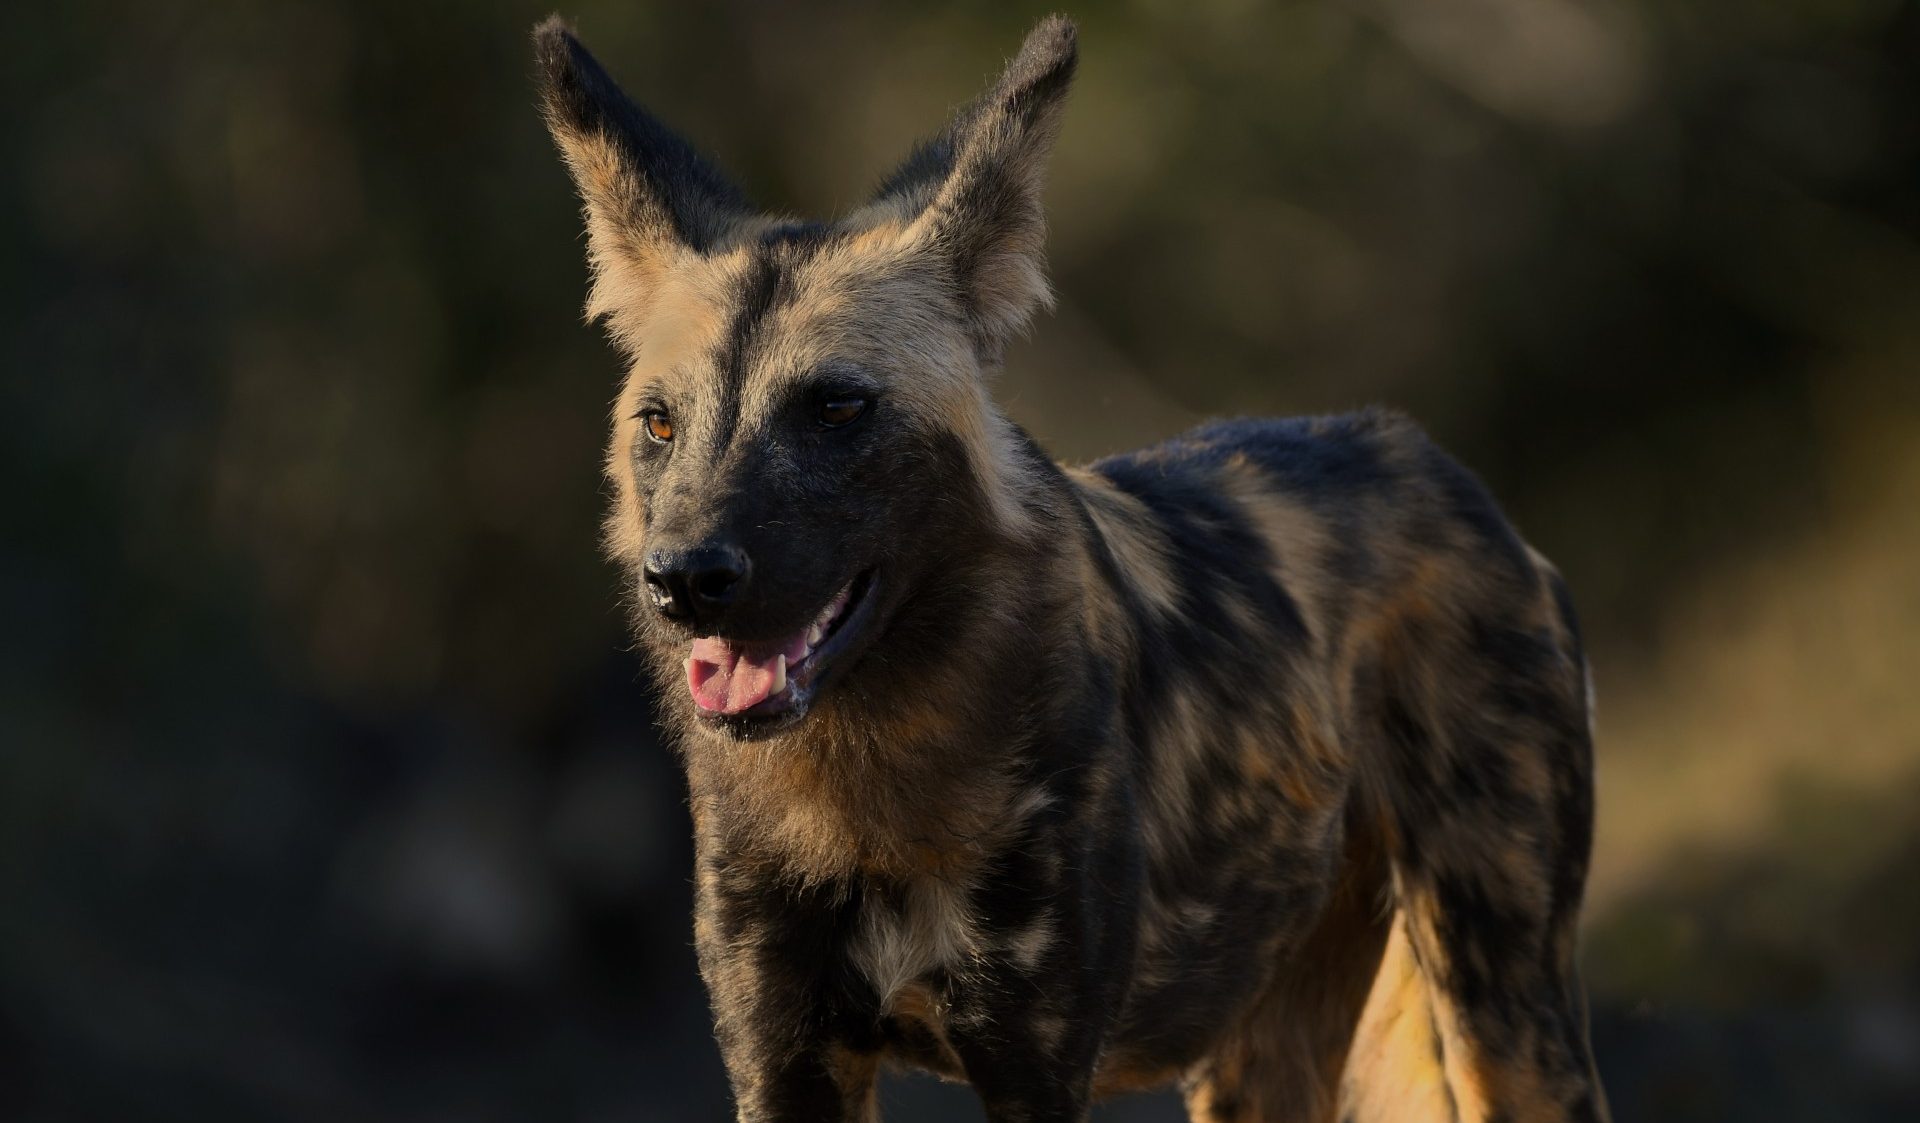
(1046, 60)
(1053, 41)
(567, 76)
(558, 55)
(1057, 28)
(553, 40)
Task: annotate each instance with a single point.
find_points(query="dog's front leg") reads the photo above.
(773, 958)
(1022, 1076)
(1030, 1024)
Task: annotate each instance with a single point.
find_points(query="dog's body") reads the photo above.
(1257, 761)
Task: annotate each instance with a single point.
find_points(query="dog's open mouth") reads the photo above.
(744, 684)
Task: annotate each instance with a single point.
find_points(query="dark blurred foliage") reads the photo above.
(326, 788)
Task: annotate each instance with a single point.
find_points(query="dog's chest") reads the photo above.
(906, 934)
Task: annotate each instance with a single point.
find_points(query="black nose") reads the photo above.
(697, 583)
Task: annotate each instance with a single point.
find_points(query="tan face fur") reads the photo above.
(876, 303)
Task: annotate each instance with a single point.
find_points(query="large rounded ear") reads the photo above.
(972, 193)
(646, 194)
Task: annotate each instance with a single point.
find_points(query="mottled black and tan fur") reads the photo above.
(1257, 761)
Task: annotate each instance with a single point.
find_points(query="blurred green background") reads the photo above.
(326, 787)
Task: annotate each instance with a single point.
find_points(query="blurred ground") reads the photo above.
(326, 790)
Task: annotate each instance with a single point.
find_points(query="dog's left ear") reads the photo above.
(972, 194)
(647, 195)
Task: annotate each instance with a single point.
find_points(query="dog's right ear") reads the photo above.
(647, 196)
(972, 194)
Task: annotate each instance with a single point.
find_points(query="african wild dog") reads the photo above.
(1066, 781)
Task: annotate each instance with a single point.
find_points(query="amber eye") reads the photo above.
(659, 425)
(836, 412)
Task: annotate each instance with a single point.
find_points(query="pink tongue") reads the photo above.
(725, 679)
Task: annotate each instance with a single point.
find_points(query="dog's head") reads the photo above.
(804, 449)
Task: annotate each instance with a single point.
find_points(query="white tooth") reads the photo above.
(813, 635)
(779, 674)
